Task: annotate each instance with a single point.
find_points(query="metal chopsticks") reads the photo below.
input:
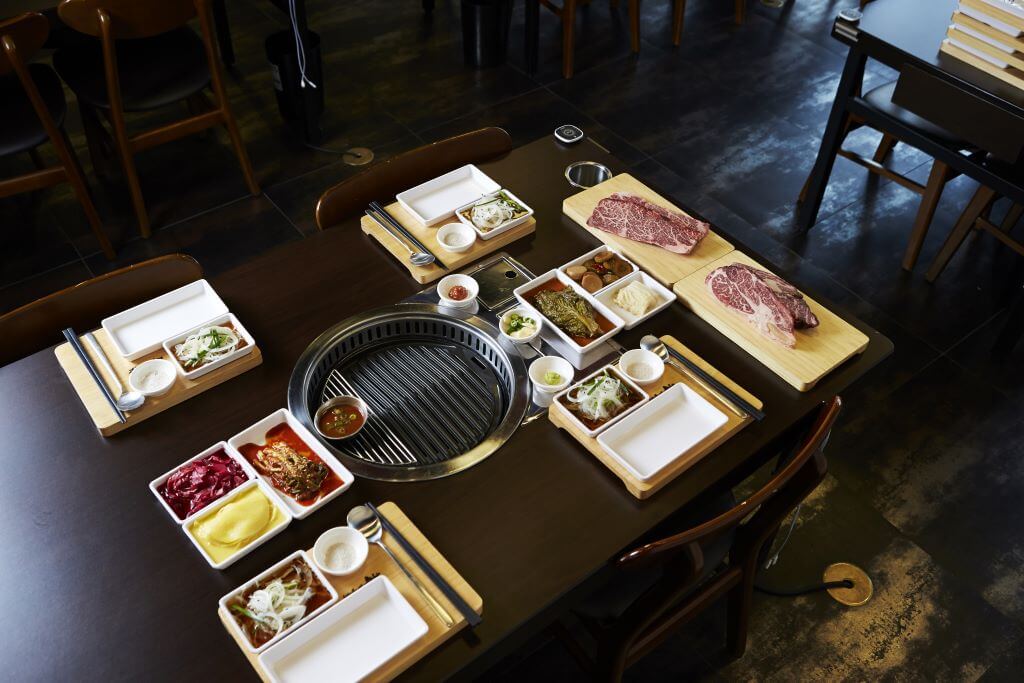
(471, 616)
(383, 213)
(72, 338)
(718, 386)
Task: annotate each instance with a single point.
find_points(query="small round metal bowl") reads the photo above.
(585, 174)
(359, 404)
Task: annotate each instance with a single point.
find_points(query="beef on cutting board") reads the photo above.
(640, 220)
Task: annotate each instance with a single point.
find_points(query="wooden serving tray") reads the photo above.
(665, 266)
(427, 235)
(734, 423)
(103, 416)
(818, 350)
(379, 563)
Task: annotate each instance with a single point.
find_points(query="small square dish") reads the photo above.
(646, 298)
(607, 265)
(433, 201)
(600, 400)
(494, 214)
(280, 438)
(296, 574)
(220, 470)
(350, 641)
(209, 346)
(664, 430)
(234, 526)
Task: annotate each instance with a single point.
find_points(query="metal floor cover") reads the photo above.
(444, 390)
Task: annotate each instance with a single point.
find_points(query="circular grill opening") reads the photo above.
(444, 390)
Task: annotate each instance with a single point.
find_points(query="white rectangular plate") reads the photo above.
(607, 297)
(615, 373)
(142, 329)
(269, 572)
(154, 485)
(257, 434)
(250, 344)
(349, 641)
(504, 227)
(591, 254)
(653, 437)
(433, 201)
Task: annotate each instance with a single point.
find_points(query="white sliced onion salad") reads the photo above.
(600, 398)
(279, 605)
(206, 346)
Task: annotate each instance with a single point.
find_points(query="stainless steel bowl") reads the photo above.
(585, 174)
(343, 400)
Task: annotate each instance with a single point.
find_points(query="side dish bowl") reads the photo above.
(455, 237)
(155, 485)
(595, 430)
(162, 373)
(354, 401)
(445, 286)
(245, 346)
(546, 364)
(641, 366)
(486, 234)
(353, 541)
(603, 249)
(524, 312)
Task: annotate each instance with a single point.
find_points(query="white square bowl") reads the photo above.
(257, 434)
(155, 485)
(504, 227)
(169, 345)
(591, 254)
(350, 641)
(256, 579)
(665, 429)
(607, 297)
(433, 201)
(611, 369)
(224, 500)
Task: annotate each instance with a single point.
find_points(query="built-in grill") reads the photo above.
(444, 390)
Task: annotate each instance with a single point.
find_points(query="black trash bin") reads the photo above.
(485, 26)
(299, 106)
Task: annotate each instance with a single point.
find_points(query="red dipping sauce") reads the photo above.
(458, 293)
(197, 484)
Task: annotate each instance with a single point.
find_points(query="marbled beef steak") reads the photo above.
(637, 219)
(768, 302)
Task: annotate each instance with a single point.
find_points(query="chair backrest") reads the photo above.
(128, 18)
(351, 196)
(796, 478)
(36, 325)
(26, 33)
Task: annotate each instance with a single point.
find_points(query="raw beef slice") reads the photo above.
(637, 219)
(768, 302)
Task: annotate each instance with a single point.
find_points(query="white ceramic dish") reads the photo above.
(257, 434)
(142, 329)
(162, 372)
(346, 536)
(270, 572)
(607, 297)
(349, 641)
(460, 236)
(169, 345)
(449, 281)
(655, 366)
(594, 252)
(574, 353)
(666, 428)
(614, 371)
(551, 364)
(224, 500)
(504, 227)
(433, 201)
(526, 312)
(155, 485)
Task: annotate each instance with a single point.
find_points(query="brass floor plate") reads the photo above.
(357, 156)
(862, 589)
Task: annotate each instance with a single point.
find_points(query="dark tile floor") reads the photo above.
(926, 474)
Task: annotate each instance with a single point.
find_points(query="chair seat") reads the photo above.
(22, 130)
(609, 602)
(881, 98)
(154, 72)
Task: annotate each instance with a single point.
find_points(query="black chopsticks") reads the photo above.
(72, 338)
(377, 208)
(725, 391)
(471, 616)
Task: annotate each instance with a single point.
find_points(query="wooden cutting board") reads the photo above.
(103, 416)
(379, 563)
(686, 460)
(665, 266)
(427, 235)
(818, 350)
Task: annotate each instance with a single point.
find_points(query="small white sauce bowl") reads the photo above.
(546, 364)
(445, 285)
(526, 313)
(455, 237)
(655, 365)
(163, 369)
(345, 536)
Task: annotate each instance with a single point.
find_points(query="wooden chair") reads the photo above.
(352, 195)
(663, 583)
(678, 14)
(146, 58)
(33, 106)
(37, 325)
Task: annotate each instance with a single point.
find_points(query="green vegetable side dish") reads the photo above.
(520, 326)
(552, 378)
(570, 312)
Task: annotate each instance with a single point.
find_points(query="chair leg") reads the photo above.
(1012, 331)
(240, 152)
(846, 127)
(77, 180)
(981, 199)
(131, 176)
(37, 159)
(568, 37)
(634, 25)
(678, 12)
(741, 12)
(937, 180)
(1013, 215)
(97, 140)
(885, 148)
(738, 618)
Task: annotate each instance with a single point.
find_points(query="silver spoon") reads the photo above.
(126, 400)
(366, 522)
(417, 258)
(656, 346)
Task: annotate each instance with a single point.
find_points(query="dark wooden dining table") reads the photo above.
(101, 584)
